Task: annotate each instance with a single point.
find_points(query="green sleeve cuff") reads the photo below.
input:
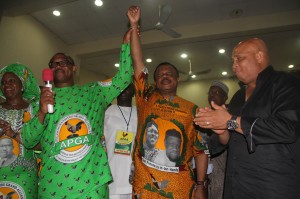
(32, 132)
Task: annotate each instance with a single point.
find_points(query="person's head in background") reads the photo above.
(125, 98)
(218, 92)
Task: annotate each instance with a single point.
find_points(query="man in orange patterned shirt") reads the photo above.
(159, 103)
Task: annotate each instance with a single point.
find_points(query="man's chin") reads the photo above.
(60, 78)
(166, 89)
(153, 143)
(173, 157)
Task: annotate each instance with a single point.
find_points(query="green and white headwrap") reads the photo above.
(31, 89)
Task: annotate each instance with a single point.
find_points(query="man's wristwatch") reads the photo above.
(232, 124)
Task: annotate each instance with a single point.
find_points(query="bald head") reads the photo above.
(255, 45)
(250, 57)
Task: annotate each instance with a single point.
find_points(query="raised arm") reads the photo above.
(134, 15)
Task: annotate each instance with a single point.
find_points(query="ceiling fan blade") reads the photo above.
(189, 78)
(190, 65)
(164, 13)
(203, 72)
(182, 72)
(170, 32)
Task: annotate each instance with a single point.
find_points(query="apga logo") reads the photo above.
(72, 138)
(10, 190)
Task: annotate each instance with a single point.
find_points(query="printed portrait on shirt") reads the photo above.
(9, 151)
(162, 144)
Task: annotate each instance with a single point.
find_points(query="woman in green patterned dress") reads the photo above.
(18, 169)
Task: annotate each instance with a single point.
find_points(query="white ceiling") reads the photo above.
(82, 22)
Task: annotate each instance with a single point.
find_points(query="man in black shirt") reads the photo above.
(261, 128)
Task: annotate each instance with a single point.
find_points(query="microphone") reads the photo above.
(48, 78)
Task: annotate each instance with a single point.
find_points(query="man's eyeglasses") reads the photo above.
(63, 63)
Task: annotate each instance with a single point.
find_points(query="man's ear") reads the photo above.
(259, 56)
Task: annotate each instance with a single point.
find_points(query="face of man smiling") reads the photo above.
(166, 79)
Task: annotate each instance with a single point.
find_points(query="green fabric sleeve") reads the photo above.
(32, 132)
(122, 78)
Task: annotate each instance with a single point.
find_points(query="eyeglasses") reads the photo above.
(63, 63)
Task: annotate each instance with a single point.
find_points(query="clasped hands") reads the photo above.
(214, 118)
(134, 15)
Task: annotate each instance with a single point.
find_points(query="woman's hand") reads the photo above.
(5, 128)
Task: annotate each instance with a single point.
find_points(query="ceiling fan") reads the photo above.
(192, 75)
(164, 13)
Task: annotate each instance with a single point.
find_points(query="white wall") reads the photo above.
(87, 76)
(197, 91)
(24, 40)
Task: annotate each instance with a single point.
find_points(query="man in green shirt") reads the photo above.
(74, 163)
